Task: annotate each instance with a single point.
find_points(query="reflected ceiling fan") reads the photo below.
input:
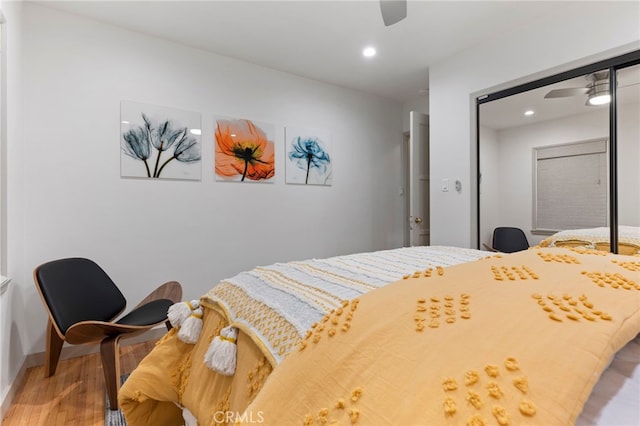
(596, 89)
(393, 11)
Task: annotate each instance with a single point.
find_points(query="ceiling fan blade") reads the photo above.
(628, 85)
(393, 11)
(563, 93)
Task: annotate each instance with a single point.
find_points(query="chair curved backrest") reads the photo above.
(77, 289)
(83, 302)
(508, 240)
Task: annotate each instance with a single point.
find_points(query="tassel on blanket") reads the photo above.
(179, 312)
(189, 419)
(221, 355)
(191, 327)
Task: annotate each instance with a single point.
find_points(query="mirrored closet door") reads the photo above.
(562, 153)
(628, 132)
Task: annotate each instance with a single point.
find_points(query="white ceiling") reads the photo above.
(323, 40)
(509, 112)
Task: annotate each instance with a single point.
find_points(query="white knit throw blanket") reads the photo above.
(275, 305)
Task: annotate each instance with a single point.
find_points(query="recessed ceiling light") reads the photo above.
(529, 112)
(196, 131)
(369, 52)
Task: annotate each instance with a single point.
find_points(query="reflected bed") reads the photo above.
(597, 238)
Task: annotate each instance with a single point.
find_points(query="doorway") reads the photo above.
(416, 181)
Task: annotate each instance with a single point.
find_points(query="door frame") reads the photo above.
(404, 192)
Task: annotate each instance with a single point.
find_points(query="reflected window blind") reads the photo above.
(571, 186)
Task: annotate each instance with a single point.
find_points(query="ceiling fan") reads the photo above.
(596, 89)
(393, 11)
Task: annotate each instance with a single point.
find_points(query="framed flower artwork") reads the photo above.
(159, 143)
(244, 150)
(308, 157)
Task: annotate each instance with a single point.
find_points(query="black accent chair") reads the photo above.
(508, 240)
(82, 303)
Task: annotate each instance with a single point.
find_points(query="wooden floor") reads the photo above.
(73, 396)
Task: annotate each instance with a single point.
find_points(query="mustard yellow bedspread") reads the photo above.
(517, 339)
(272, 306)
(174, 375)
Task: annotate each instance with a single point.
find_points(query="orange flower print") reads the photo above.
(242, 149)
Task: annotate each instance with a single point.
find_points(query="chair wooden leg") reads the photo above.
(110, 353)
(52, 351)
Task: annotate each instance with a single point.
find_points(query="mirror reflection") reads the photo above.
(544, 158)
(628, 102)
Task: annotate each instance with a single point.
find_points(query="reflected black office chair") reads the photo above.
(508, 240)
(82, 303)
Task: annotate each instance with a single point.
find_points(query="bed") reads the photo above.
(291, 333)
(597, 238)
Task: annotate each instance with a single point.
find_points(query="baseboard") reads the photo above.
(74, 351)
(13, 390)
(37, 359)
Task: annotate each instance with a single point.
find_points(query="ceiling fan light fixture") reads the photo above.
(599, 93)
(600, 100)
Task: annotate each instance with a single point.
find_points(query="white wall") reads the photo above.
(560, 41)
(72, 201)
(12, 307)
(628, 165)
(420, 104)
